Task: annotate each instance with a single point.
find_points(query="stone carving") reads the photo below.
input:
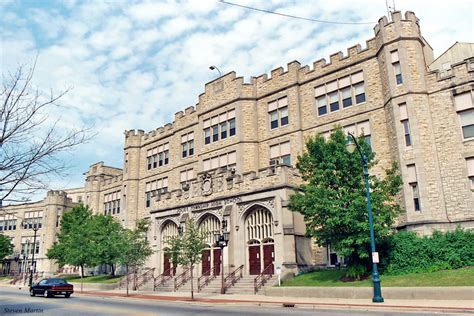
(268, 203)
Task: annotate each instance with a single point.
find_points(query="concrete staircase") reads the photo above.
(246, 285)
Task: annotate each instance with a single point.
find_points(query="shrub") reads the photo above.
(408, 252)
(356, 272)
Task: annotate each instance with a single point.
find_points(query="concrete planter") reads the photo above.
(394, 293)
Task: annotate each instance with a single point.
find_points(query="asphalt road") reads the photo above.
(18, 302)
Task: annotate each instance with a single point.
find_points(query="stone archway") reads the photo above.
(259, 229)
(211, 256)
(169, 230)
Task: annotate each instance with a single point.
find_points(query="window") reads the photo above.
(280, 154)
(220, 126)
(359, 91)
(359, 129)
(321, 105)
(28, 247)
(33, 220)
(413, 182)
(112, 203)
(187, 145)
(396, 67)
(278, 112)
(154, 188)
(7, 222)
(158, 156)
(347, 97)
(465, 109)
(187, 175)
(347, 89)
(334, 101)
(228, 160)
(470, 171)
(405, 124)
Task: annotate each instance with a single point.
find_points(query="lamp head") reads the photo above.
(351, 147)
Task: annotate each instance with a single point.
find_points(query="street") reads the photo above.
(14, 301)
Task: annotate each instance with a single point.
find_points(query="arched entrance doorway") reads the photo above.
(170, 229)
(211, 256)
(259, 239)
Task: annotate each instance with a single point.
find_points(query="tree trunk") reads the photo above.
(82, 275)
(112, 274)
(192, 292)
(126, 275)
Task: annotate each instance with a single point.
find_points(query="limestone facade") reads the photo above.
(231, 157)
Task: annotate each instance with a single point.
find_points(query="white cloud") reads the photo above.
(135, 65)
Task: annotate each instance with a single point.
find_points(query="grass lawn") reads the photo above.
(2, 278)
(102, 278)
(459, 277)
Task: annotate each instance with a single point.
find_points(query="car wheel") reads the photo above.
(68, 295)
(32, 293)
(46, 293)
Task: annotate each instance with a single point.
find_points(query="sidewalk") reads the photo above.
(456, 306)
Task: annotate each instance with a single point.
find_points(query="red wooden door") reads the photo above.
(206, 261)
(217, 261)
(166, 264)
(254, 259)
(268, 258)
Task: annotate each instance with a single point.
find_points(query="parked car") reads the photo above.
(51, 287)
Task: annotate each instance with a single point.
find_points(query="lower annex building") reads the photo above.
(231, 157)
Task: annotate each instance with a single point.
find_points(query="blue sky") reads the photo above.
(133, 64)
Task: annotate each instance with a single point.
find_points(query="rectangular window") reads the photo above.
(284, 116)
(215, 133)
(280, 154)
(154, 188)
(223, 130)
(321, 104)
(346, 97)
(187, 144)
(413, 182)
(465, 109)
(398, 73)
(359, 91)
(191, 148)
(7, 222)
(187, 175)
(185, 150)
(273, 119)
(470, 171)
(33, 219)
(334, 101)
(207, 136)
(226, 160)
(406, 131)
(232, 127)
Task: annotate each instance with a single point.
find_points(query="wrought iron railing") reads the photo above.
(127, 278)
(182, 278)
(233, 277)
(143, 278)
(162, 278)
(206, 278)
(263, 277)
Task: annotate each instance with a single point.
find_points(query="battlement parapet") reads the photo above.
(223, 183)
(455, 75)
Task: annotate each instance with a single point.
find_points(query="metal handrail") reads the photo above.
(207, 277)
(145, 277)
(162, 278)
(263, 277)
(123, 281)
(182, 278)
(232, 278)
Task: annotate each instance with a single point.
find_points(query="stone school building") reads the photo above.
(230, 160)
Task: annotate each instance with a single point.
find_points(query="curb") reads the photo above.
(285, 304)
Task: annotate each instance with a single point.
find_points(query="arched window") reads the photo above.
(210, 224)
(169, 230)
(259, 225)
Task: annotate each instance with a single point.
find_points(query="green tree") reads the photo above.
(192, 244)
(6, 247)
(106, 240)
(135, 247)
(74, 246)
(333, 197)
(174, 249)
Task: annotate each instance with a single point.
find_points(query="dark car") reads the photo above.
(51, 287)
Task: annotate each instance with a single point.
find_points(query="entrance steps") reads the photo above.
(246, 285)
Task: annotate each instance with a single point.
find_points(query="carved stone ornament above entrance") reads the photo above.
(268, 203)
(206, 186)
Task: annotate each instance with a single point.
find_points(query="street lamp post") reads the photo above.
(35, 226)
(377, 298)
(222, 240)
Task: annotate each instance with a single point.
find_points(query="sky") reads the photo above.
(133, 64)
